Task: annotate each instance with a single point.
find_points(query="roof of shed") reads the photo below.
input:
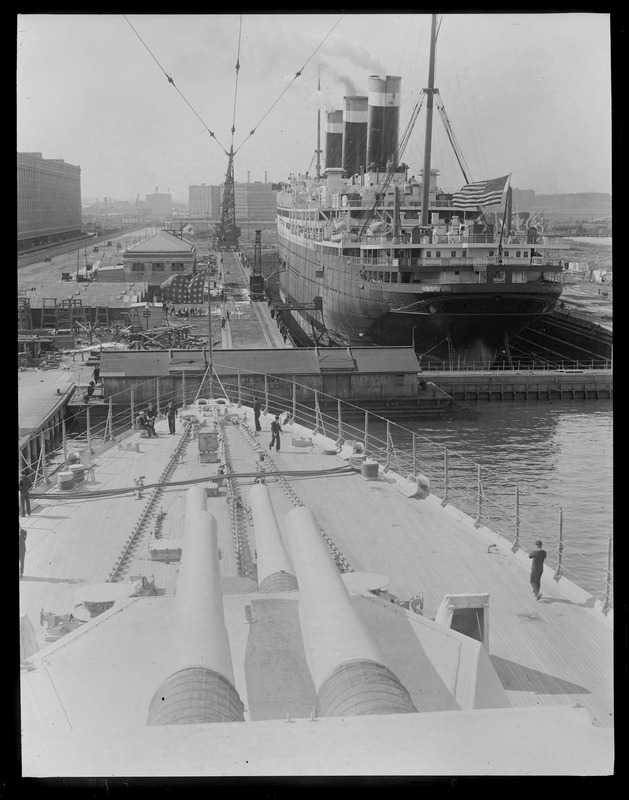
(299, 361)
(162, 242)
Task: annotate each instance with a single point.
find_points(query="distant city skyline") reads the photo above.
(184, 199)
(526, 94)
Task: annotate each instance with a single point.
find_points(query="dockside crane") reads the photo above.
(228, 233)
(256, 279)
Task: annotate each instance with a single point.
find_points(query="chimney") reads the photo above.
(355, 116)
(383, 120)
(334, 140)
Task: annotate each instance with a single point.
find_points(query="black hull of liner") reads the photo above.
(463, 330)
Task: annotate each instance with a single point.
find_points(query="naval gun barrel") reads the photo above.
(275, 571)
(200, 684)
(347, 667)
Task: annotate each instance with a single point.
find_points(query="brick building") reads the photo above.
(158, 258)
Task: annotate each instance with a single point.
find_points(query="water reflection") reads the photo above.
(559, 454)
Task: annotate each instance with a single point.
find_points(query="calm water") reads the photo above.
(560, 456)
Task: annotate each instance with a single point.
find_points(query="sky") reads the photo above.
(526, 94)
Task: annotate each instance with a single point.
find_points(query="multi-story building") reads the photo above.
(256, 208)
(205, 201)
(160, 205)
(48, 201)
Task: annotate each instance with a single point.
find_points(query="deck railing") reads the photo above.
(491, 499)
(518, 365)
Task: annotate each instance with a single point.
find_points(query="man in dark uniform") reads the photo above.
(276, 430)
(257, 408)
(25, 498)
(537, 567)
(151, 414)
(171, 415)
(22, 552)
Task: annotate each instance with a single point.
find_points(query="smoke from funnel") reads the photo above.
(349, 85)
(357, 56)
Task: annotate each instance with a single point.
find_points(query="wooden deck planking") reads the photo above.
(74, 542)
(423, 547)
(419, 545)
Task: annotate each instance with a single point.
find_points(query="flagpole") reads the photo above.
(504, 217)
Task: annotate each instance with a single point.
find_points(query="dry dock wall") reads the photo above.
(530, 386)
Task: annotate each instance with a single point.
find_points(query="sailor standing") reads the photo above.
(276, 430)
(537, 567)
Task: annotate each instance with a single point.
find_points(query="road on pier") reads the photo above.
(249, 324)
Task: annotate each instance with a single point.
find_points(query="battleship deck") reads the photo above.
(419, 545)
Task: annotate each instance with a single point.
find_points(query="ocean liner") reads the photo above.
(370, 254)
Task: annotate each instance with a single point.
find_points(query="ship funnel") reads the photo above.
(334, 140)
(200, 684)
(355, 117)
(275, 571)
(346, 665)
(383, 120)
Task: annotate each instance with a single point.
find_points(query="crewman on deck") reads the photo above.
(151, 414)
(537, 567)
(276, 430)
(25, 498)
(257, 409)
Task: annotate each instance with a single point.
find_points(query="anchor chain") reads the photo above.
(241, 517)
(340, 560)
(139, 531)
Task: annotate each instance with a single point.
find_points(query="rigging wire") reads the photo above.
(172, 82)
(236, 86)
(297, 75)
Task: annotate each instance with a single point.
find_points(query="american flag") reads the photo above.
(481, 193)
(185, 288)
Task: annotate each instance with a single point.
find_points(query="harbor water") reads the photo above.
(558, 454)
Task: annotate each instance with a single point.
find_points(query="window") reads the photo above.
(394, 277)
(158, 267)
(517, 254)
(399, 379)
(177, 267)
(438, 253)
(137, 266)
(428, 253)
(506, 253)
(453, 253)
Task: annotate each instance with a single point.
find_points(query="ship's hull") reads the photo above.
(456, 322)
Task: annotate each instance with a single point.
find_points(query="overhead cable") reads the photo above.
(171, 81)
(297, 75)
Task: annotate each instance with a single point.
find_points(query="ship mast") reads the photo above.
(319, 127)
(430, 91)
